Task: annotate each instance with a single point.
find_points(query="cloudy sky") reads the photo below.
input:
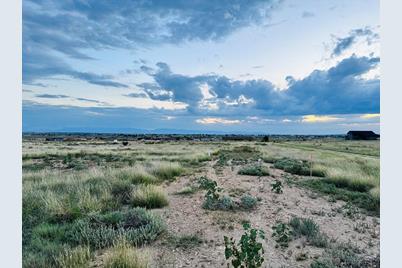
(229, 66)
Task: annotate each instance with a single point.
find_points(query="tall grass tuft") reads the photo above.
(166, 171)
(122, 255)
(149, 196)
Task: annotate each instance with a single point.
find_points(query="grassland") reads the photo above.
(101, 204)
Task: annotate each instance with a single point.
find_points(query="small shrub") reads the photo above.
(276, 187)
(256, 170)
(122, 255)
(148, 196)
(248, 252)
(281, 234)
(248, 202)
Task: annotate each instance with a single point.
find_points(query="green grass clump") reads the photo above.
(122, 255)
(255, 170)
(148, 196)
(137, 226)
(166, 171)
(366, 201)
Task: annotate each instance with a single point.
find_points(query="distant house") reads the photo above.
(361, 135)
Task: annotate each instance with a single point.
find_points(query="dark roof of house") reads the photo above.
(363, 133)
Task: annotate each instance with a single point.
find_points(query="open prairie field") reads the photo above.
(97, 203)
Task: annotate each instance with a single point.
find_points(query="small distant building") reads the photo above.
(361, 135)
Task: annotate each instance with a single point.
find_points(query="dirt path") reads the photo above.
(186, 216)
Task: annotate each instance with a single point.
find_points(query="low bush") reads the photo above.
(298, 167)
(137, 226)
(255, 170)
(248, 202)
(148, 196)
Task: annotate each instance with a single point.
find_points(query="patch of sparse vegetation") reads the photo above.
(184, 241)
(341, 255)
(254, 170)
(248, 252)
(187, 190)
(365, 201)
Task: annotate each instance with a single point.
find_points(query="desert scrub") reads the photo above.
(248, 252)
(166, 171)
(137, 226)
(276, 187)
(309, 229)
(121, 190)
(282, 234)
(123, 255)
(254, 170)
(148, 196)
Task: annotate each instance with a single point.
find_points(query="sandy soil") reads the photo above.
(184, 215)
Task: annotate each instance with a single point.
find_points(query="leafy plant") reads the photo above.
(281, 234)
(248, 252)
(276, 187)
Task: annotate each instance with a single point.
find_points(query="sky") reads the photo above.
(230, 66)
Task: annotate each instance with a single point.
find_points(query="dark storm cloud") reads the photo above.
(71, 27)
(338, 90)
(344, 43)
